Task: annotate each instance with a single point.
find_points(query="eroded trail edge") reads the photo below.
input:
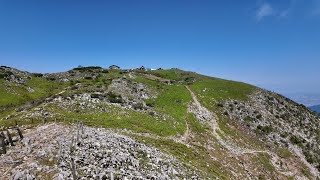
(206, 116)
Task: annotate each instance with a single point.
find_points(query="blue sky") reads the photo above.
(273, 44)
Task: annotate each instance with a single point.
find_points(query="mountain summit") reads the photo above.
(92, 122)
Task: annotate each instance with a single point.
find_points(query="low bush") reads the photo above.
(264, 129)
(114, 98)
(151, 104)
(296, 140)
(138, 106)
(37, 74)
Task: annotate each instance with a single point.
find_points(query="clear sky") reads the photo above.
(273, 44)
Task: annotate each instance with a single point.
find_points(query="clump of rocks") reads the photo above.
(102, 153)
(56, 151)
(279, 120)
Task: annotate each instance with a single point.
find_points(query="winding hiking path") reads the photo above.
(204, 115)
(186, 134)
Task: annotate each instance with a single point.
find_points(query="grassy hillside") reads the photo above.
(158, 108)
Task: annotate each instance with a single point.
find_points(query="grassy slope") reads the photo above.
(18, 94)
(171, 100)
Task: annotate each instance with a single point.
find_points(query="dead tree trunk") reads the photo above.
(3, 144)
(60, 152)
(82, 130)
(10, 138)
(111, 176)
(20, 133)
(73, 169)
(78, 134)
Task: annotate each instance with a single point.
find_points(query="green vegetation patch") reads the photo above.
(199, 157)
(264, 160)
(117, 117)
(174, 100)
(284, 152)
(214, 90)
(13, 95)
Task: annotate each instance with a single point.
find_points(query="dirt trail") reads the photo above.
(204, 115)
(186, 134)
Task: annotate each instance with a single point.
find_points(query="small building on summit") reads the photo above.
(112, 67)
(142, 68)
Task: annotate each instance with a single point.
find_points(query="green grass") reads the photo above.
(176, 75)
(284, 153)
(264, 160)
(214, 90)
(172, 100)
(19, 94)
(116, 117)
(199, 158)
(166, 74)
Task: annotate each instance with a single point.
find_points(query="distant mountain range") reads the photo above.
(307, 99)
(315, 108)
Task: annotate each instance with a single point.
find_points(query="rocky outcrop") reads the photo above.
(280, 121)
(50, 150)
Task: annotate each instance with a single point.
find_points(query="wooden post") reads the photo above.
(60, 149)
(10, 138)
(3, 143)
(73, 169)
(82, 131)
(111, 175)
(20, 133)
(78, 133)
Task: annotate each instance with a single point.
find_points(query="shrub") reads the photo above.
(71, 82)
(178, 100)
(37, 74)
(220, 105)
(51, 78)
(248, 119)
(138, 106)
(95, 95)
(114, 98)
(264, 129)
(296, 140)
(5, 74)
(151, 104)
(310, 157)
(259, 116)
(89, 68)
(151, 113)
(285, 116)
